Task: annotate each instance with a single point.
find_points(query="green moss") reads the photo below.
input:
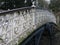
(22, 38)
(1, 39)
(16, 44)
(28, 33)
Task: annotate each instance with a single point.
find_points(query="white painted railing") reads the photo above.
(17, 24)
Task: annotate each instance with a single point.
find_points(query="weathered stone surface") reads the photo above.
(16, 26)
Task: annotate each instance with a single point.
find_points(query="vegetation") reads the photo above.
(11, 4)
(43, 4)
(55, 5)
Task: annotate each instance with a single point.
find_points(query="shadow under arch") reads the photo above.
(37, 37)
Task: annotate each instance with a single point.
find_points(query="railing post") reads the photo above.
(34, 15)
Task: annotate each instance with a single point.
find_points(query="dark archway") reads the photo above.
(45, 35)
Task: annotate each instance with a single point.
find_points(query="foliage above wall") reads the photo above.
(55, 5)
(11, 4)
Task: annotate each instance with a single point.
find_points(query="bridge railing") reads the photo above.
(17, 24)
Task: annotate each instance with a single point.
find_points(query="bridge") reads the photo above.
(18, 24)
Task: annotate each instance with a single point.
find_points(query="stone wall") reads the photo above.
(17, 24)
